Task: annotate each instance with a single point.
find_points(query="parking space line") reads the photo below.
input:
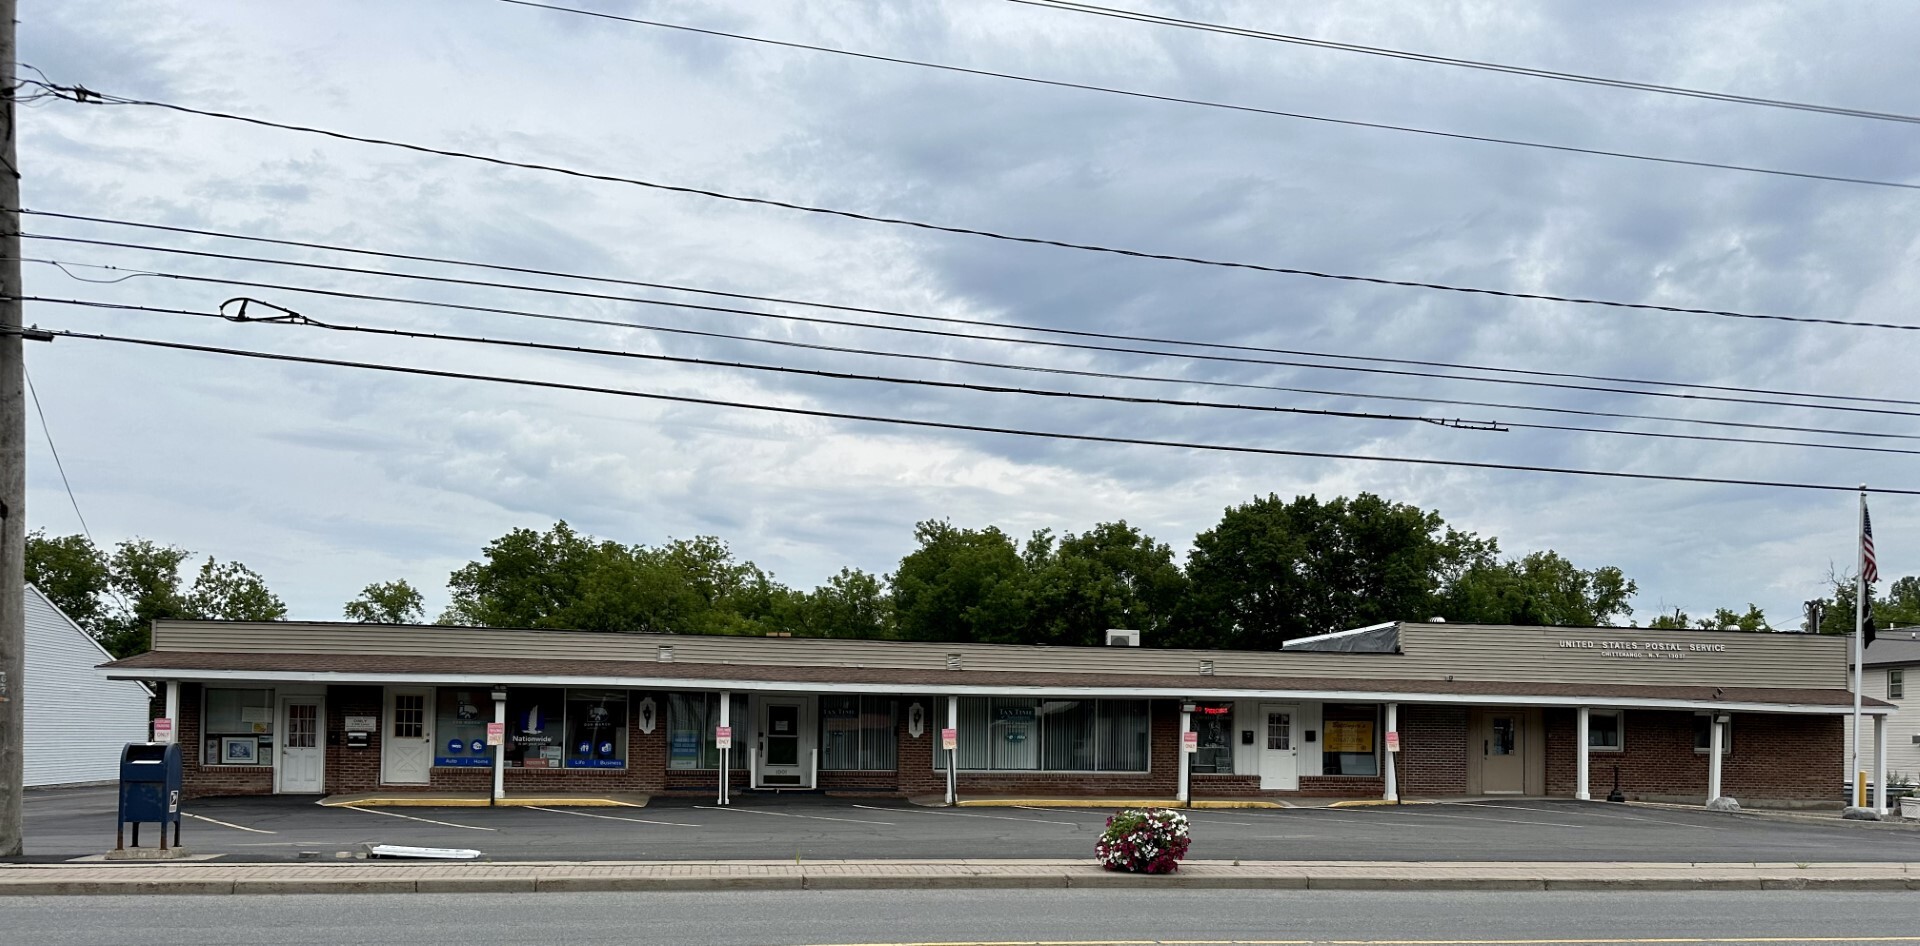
(1365, 816)
(588, 814)
(449, 824)
(783, 814)
(1099, 813)
(1596, 814)
(967, 814)
(1546, 824)
(223, 824)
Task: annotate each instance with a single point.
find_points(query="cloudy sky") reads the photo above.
(326, 478)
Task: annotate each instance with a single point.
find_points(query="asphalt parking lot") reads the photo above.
(67, 823)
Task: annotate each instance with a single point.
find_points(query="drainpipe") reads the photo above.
(1583, 753)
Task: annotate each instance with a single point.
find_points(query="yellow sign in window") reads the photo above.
(1348, 735)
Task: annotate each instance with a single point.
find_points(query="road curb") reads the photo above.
(203, 880)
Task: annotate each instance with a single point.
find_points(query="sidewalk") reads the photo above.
(364, 877)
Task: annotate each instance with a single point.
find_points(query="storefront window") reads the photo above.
(596, 729)
(536, 728)
(1703, 734)
(239, 727)
(460, 726)
(1213, 722)
(1015, 734)
(1347, 744)
(856, 733)
(691, 718)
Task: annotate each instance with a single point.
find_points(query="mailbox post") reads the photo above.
(149, 790)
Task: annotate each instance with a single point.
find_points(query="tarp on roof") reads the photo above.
(1379, 639)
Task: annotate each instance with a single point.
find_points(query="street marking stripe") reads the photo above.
(585, 814)
(223, 824)
(1425, 815)
(782, 814)
(966, 814)
(449, 824)
(1596, 814)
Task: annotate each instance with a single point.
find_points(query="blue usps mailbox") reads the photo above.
(149, 790)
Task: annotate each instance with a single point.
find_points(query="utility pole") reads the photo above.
(13, 457)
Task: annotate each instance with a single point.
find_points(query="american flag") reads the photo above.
(1869, 570)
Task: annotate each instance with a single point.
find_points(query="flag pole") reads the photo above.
(1859, 646)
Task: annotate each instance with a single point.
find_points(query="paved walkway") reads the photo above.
(369, 877)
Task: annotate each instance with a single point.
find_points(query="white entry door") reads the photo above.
(1279, 748)
(406, 747)
(302, 766)
(783, 746)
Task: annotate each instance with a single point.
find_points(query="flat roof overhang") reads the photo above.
(642, 675)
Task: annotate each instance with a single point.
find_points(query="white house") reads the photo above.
(1892, 670)
(76, 720)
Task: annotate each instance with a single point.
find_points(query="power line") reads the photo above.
(294, 318)
(1161, 20)
(86, 95)
(787, 316)
(62, 467)
(1063, 371)
(1203, 103)
(971, 428)
(952, 320)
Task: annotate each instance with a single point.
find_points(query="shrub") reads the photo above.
(1143, 841)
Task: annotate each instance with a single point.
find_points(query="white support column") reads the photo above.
(173, 710)
(726, 722)
(1184, 794)
(500, 749)
(1714, 742)
(953, 755)
(1393, 763)
(1880, 763)
(1583, 753)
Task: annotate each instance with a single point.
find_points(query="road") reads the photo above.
(67, 824)
(897, 917)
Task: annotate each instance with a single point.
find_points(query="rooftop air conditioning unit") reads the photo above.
(1122, 637)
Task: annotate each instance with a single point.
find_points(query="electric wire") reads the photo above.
(973, 428)
(1228, 106)
(1085, 373)
(295, 318)
(967, 336)
(47, 431)
(1158, 19)
(955, 320)
(81, 94)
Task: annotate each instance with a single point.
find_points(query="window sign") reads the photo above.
(596, 729)
(238, 720)
(1347, 743)
(461, 718)
(1349, 735)
(1214, 724)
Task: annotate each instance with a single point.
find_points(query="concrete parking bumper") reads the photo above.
(360, 877)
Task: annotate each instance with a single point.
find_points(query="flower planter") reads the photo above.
(1143, 841)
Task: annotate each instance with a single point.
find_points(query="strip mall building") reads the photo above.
(1405, 709)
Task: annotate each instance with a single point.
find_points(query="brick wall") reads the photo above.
(1773, 757)
(355, 769)
(1433, 750)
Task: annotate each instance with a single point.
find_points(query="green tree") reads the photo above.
(387, 602)
(1752, 619)
(524, 578)
(1900, 607)
(852, 604)
(1272, 571)
(1113, 575)
(147, 578)
(73, 574)
(1540, 588)
(232, 592)
(960, 585)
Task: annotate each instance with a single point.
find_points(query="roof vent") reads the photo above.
(1206, 668)
(1122, 637)
(666, 653)
(953, 661)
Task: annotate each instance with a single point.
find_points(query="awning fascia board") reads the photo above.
(780, 686)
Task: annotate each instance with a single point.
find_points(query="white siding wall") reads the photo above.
(76, 720)
(1903, 727)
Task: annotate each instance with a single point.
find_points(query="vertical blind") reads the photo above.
(1019, 734)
